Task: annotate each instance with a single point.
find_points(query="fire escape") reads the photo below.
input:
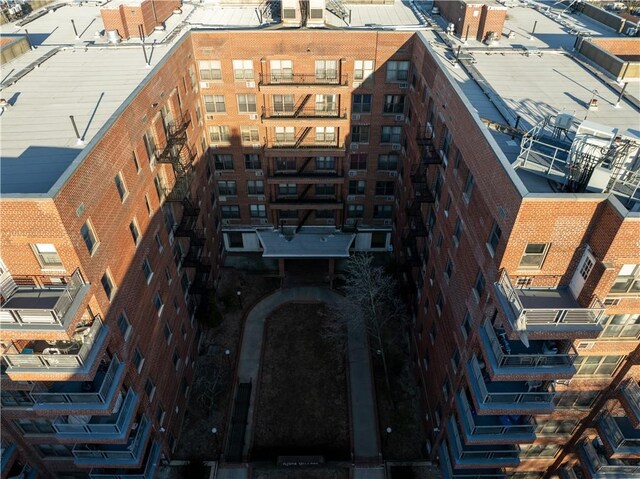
(177, 153)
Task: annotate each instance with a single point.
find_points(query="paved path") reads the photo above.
(364, 427)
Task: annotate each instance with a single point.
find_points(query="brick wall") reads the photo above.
(128, 19)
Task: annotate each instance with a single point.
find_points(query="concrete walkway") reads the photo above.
(363, 414)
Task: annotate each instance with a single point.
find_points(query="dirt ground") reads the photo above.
(302, 406)
(210, 396)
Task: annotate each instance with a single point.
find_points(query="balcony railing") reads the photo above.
(85, 396)
(115, 425)
(449, 473)
(75, 356)
(487, 455)
(28, 306)
(630, 391)
(619, 434)
(290, 78)
(308, 111)
(599, 465)
(111, 454)
(7, 454)
(505, 429)
(148, 472)
(508, 394)
(506, 354)
(527, 309)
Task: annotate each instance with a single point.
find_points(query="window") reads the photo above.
(227, 188)
(397, 71)
(388, 162)
(494, 238)
(230, 211)
(447, 206)
(285, 134)
(393, 104)
(391, 134)
(136, 164)
(255, 187)
(150, 145)
(235, 239)
(596, 365)
(198, 114)
(382, 211)
(214, 104)
(108, 284)
(628, 280)
(361, 104)
(385, 188)
(439, 243)
(47, 256)
(158, 303)
(147, 204)
(89, 237)
(360, 134)
(285, 164)
(534, 255)
(576, 399)
(455, 361)
(210, 70)
(325, 134)
(281, 71)
(358, 161)
(283, 104)
(246, 103)
(242, 69)
(552, 427)
(121, 186)
(192, 78)
(457, 231)
(135, 231)
(355, 211)
(157, 182)
(252, 162)
(325, 190)
(439, 305)
(433, 333)
(168, 333)
(167, 272)
(54, 450)
(327, 70)
(146, 269)
(621, 326)
(325, 163)
(448, 271)
(326, 104)
(446, 143)
(138, 360)
(362, 69)
(150, 389)
(176, 359)
(287, 189)
(468, 187)
(218, 134)
(249, 134)
(258, 211)
(539, 450)
(478, 287)
(124, 326)
(425, 360)
(223, 162)
(160, 412)
(356, 187)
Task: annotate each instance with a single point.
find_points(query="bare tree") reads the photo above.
(372, 304)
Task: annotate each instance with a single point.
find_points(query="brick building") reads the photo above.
(474, 19)
(130, 17)
(520, 264)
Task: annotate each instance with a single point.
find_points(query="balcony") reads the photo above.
(115, 455)
(307, 111)
(113, 427)
(507, 397)
(502, 429)
(73, 395)
(567, 472)
(539, 359)
(7, 456)
(49, 307)
(597, 465)
(146, 472)
(547, 310)
(449, 473)
(298, 79)
(486, 455)
(75, 357)
(619, 435)
(630, 400)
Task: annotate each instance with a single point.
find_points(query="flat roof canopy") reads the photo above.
(315, 243)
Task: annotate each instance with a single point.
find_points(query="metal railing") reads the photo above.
(543, 317)
(149, 470)
(125, 415)
(609, 428)
(598, 462)
(541, 360)
(516, 397)
(57, 361)
(631, 392)
(290, 78)
(131, 452)
(499, 453)
(28, 316)
(497, 429)
(310, 111)
(98, 397)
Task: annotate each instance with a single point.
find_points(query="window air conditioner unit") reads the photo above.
(204, 84)
(389, 198)
(255, 145)
(262, 198)
(222, 198)
(253, 117)
(399, 117)
(403, 151)
(330, 221)
(263, 221)
(356, 84)
(251, 84)
(352, 173)
(387, 222)
(210, 117)
(393, 174)
(355, 116)
(353, 146)
(350, 222)
(396, 147)
(351, 198)
(218, 173)
(259, 173)
(403, 86)
(226, 222)
(213, 147)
